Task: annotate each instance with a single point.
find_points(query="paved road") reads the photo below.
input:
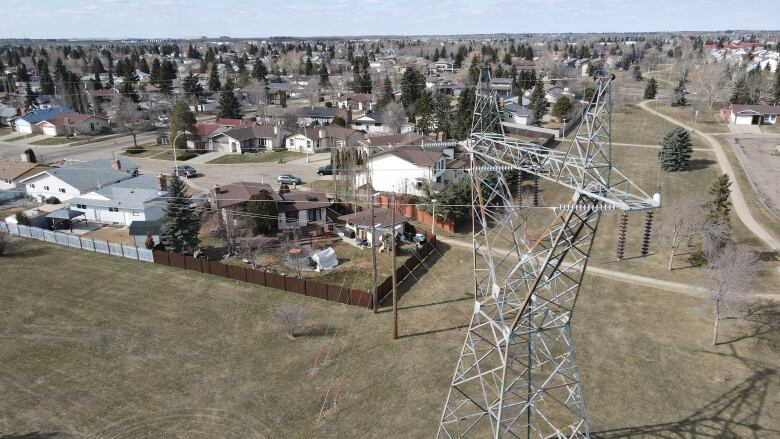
(737, 198)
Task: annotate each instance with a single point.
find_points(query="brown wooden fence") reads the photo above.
(305, 287)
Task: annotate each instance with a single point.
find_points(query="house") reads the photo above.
(134, 199)
(407, 169)
(235, 196)
(751, 114)
(360, 223)
(319, 139)
(408, 138)
(254, 138)
(233, 123)
(320, 115)
(26, 124)
(276, 93)
(6, 113)
(203, 132)
(302, 209)
(356, 101)
(371, 123)
(502, 86)
(444, 65)
(101, 98)
(518, 114)
(444, 86)
(68, 124)
(12, 173)
(77, 179)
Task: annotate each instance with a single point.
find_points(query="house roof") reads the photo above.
(130, 194)
(376, 116)
(234, 122)
(91, 174)
(250, 132)
(359, 97)
(413, 154)
(303, 200)
(517, 109)
(205, 129)
(319, 112)
(382, 217)
(410, 138)
(73, 117)
(40, 115)
(13, 170)
(756, 109)
(139, 228)
(239, 193)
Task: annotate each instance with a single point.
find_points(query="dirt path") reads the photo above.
(676, 287)
(737, 198)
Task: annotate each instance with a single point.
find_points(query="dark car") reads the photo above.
(185, 171)
(325, 170)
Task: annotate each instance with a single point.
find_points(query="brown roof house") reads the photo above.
(13, 172)
(359, 223)
(412, 169)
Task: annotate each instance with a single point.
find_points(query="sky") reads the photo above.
(306, 18)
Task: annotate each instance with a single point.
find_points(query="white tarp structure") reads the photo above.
(325, 259)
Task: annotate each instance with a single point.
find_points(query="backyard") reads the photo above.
(161, 352)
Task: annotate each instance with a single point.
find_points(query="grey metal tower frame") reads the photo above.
(516, 375)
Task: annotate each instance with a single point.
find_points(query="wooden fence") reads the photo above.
(305, 287)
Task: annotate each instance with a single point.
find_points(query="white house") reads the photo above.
(361, 223)
(12, 173)
(26, 124)
(252, 138)
(356, 101)
(751, 114)
(407, 169)
(79, 178)
(319, 139)
(371, 123)
(67, 124)
(134, 199)
(518, 114)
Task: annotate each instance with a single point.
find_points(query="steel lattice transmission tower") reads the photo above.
(516, 375)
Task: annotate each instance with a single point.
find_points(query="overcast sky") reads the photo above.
(182, 18)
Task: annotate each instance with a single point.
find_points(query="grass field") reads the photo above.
(5, 131)
(118, 348)
(17, 138)
(321, 185)
(182, 155)
(54, 141)
(230, 159)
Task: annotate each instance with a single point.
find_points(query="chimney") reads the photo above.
(216, 189)
(116, 164)
(349, 115)
(162, 182)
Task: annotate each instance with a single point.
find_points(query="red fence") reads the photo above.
(416, 214)
(305, 287)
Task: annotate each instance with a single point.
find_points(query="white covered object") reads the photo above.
(325, 259)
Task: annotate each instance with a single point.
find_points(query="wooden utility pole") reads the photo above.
(373, 254)
(395, 283)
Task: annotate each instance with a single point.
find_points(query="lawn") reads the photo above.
(144, 150)
(634, 125)
(182, 155)
(321, 185)
(273, 156)
(17, 138)
(113, 234)
(5, 131)
(120, 348)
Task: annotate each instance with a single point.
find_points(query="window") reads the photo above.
(81, 206)
(113, 209)
(62, 190)
(315, 215)
(32, 186)
(46, 188)
(291, 217)
(292, 142)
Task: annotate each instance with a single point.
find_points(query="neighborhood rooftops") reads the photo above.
(303, 201)
(321, 112)
(250, 132)
(756, 109)
(92, 174)
(410, 138)
(13, 170)
(382, 217)
(239, 193)
(129, 194)
(41, 115)
(414, 155)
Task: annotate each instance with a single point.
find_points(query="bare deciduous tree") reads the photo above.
(730, 274)
(395, 116)
(715, 82)
(714, 238)
(312, 92)
(250, 247)
(5, 240)
(683, 222)
(291, 318)
(130, 119)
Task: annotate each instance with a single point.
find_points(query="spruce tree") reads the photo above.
(651, 90)
(154, 76)
(180, 222)
(464, 115)
(144, 66)
(537, 103)
(562, 107)
(412, 86)
(776, 89)
(424, 114)
(308, 69)
(29, 96)
(213, 83)
(637, 72)
(742, 93)
(323, 72)
(676, 150)
(182, 119)
(258, 70)
(128, 91)
(443, 115)
(191, 86)
(229, 107)
(264, 212)
(387, 93)
(678, 95)
(719, 206)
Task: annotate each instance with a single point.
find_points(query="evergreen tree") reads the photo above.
(412, 86)
(97, 66)
(637, 73)
(537, 103)
(562, 107)
(676, 150)
(96, 84)
(323, 72)
(474, 69)
(264, 212)
(154, 76)
(678, 95)
(464, 115)
(308, 69)
(182, 119)
(229, 107)
(128, 90)
(29, 96)
(588, 93)
(424, 114)
(443, 115)
(21, 73)
(651, 89)
(47, 83)
(387, 93)
(258, 70)
(719, 205)
(191, 86)
(180, 222)
(213, 83)
(144, 66)
(776, 89)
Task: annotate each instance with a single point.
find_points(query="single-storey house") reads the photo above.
(76, 179)
(407, 169)
(518, 114)
(254, 138)
(26, 123)
(134, 199)
(68, 124)
(12, 173)
(319, 139)
(751, 114)
(360, 223)
(371, 123)
(303, 208)
(235, 196)
(319, 115)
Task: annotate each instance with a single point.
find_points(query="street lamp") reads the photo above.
(433, 216)
(175, 166)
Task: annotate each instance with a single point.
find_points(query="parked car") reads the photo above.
(288, 179)
(325, 170)
(185, 171)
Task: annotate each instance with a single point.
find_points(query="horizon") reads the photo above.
(97, 19)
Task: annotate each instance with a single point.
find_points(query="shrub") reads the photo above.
(23, 219)
(52, 200)
(5, 240)
(135, 149)
(291, 319)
